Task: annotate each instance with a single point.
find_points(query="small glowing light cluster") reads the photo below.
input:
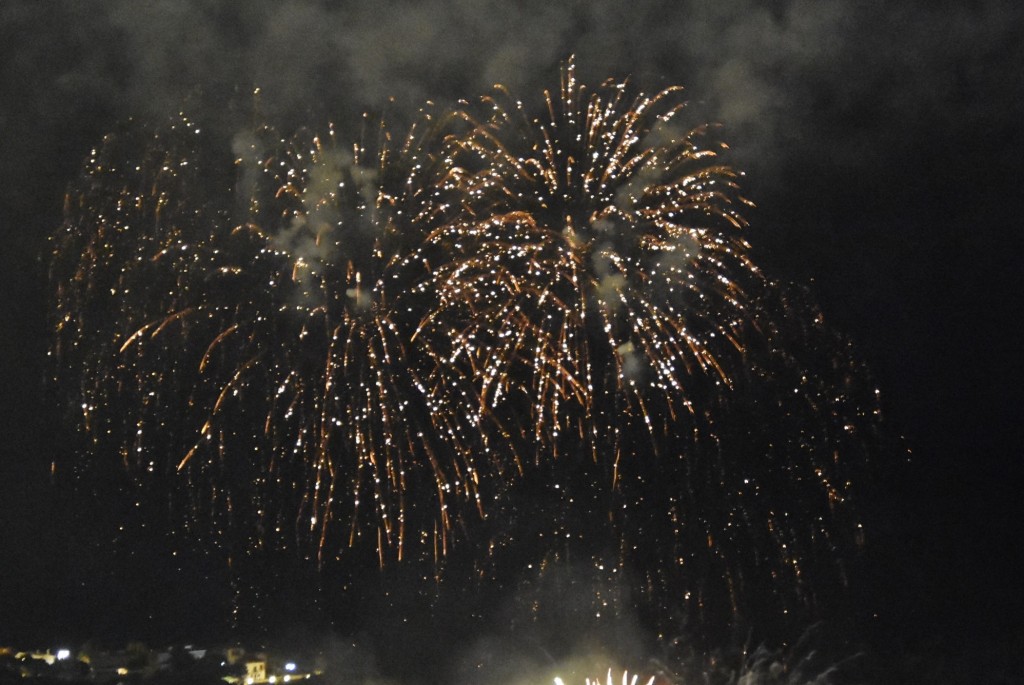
(626, 679)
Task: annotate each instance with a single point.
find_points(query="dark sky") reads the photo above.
(882, 143)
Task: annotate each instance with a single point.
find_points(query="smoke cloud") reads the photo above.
(762, 67)
(809, 94)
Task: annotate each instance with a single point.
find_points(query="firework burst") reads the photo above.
(269, 354)
(601, 293)
(545, 334)
(601, 268)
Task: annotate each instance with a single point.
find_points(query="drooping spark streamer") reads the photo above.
(602, 269)
(667, 403)
(543, 334)
(270, 355)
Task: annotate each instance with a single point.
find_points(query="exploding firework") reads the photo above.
(675, 417)
(269, 354)
(545, 334)
(600, 272)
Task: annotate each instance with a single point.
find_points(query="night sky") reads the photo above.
(882, 145)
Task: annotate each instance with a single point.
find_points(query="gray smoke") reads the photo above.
(783, 77)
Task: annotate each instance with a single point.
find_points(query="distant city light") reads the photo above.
(290, 666)
(63, 654)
